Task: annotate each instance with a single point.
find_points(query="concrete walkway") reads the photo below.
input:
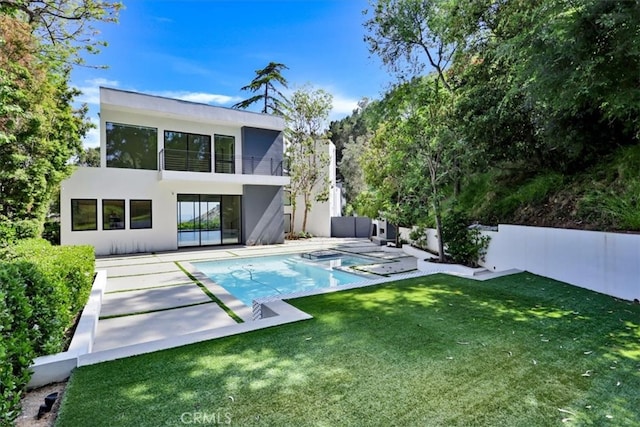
(151, 297)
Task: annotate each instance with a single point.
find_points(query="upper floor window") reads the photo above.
(225, 153)
(132, 147)
(187, 152)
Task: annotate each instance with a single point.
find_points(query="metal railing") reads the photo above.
(187, 161)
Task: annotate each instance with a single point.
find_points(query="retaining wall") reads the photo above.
(604, 262)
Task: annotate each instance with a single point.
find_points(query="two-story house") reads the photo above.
(175, 174)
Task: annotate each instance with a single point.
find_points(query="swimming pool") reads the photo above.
(251, 278)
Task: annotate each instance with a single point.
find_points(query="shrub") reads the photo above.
(42, 288)
(28, 228)
(51, 232)
(418, 237)
(16, 341)
(463, 245)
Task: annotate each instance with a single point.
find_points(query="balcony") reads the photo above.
(186, 165)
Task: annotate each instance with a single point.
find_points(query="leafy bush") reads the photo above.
(51, 232)
(42, 288)
(418, 237)
(28, 228)
(297, 235)
(463, 245)
(16, 341)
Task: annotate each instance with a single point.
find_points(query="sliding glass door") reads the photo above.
(205, 219)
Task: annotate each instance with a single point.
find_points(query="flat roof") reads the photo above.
(124, 100)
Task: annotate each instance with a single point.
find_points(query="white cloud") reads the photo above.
(202, 97)
(91, 90)
(342, 106)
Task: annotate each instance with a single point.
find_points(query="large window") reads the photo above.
(187, 152)
(225, 154)
(207, 219)
(84, 214)
(113, 214)
(140, 214)
(132, 147)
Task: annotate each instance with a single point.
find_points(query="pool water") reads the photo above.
(251, 278)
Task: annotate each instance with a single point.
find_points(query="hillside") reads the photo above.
(605, 196)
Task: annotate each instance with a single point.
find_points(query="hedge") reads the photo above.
(42, 289)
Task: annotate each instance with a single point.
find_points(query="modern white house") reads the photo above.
(175, 174)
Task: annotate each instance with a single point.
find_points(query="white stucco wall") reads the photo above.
(608, 263)
(127, 184)
(603, 262)
(319, 217)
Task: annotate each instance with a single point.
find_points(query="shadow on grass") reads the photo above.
(437, 350)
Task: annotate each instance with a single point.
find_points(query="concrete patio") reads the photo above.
(152, 297)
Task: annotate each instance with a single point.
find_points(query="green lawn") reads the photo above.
(439, 350)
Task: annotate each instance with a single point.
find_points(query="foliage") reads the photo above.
(463, 245)
(64, 27)
(42, 289)
(274, 101)
(16, 342)
(298, 235)
(51, 232)
(612, 196)
(415, 140)
(89, 157)
(539, 91)
(351, 136)
(553, 84)
(407, 35)
(39, 129)
(307, 149)
(418, 237)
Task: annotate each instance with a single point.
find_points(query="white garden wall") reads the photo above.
(604, 262)
(608, 263)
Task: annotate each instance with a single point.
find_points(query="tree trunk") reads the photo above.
(307, 208)
(436, 207)
(293, 215)
(439, 231)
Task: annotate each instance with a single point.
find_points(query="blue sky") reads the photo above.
(206, 50)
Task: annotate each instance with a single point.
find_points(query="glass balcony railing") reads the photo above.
(186, 161)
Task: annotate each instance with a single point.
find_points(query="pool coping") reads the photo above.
(273, 311)
(244, 311)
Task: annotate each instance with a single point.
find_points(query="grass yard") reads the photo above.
(520, 350)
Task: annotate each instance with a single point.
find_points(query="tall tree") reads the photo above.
(40, 131)
(350, 135)
(415, 141)
(64, 28)
(408, 35)
(307, 148)
(274, 102)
